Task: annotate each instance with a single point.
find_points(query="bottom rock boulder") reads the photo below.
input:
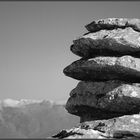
(127, 126)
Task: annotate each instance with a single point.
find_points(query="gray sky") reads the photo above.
(35, 39)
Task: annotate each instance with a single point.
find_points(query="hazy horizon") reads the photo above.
(35, 39)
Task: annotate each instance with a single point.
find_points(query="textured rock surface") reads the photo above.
(78, 133)
(115, 42)
(112, 23)
(103, 100)
(123, 127)
(124, 68)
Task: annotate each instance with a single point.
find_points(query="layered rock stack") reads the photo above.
(107, 98)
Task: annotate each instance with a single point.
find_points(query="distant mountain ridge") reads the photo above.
(22, 102)
(33, 118)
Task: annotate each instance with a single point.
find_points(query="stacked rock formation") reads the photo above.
(107, 98)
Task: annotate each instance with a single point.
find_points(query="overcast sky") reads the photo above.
(35, 39)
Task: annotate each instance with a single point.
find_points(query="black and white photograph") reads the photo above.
(70, 69)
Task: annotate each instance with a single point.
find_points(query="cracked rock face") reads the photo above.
(117, 42)
(78, 133)
(113, 23)
(104, 100)
(127, 126)
(125, 68)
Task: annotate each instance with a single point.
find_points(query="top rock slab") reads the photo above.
(113, 23)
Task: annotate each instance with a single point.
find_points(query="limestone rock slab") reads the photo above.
(112, 23)
(127, 126)
(104, 100)
(125, 68)
(117, 42)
